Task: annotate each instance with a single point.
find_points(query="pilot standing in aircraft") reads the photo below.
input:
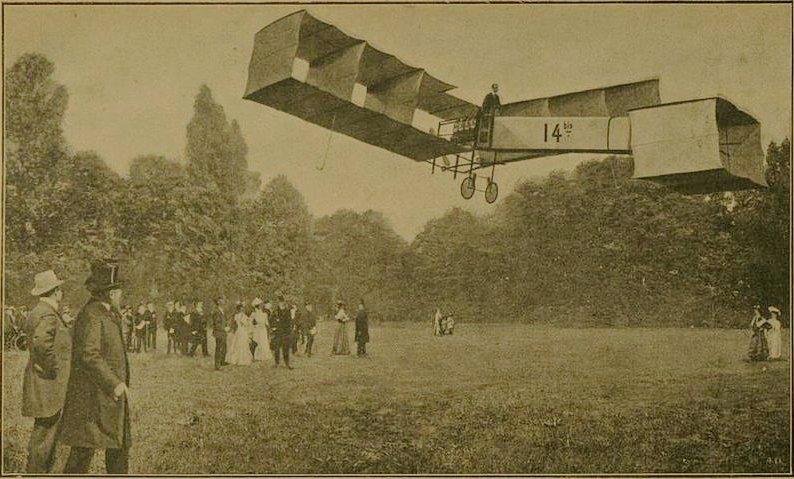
(491, 104)
(490, 108)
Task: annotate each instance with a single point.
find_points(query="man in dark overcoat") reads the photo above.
(151, 328)
(310, 327)
(169, 323)
(47, 371)
(182, 327)
(362, 330)
(282, 331)
(490, 108)
(198, 326)
(219, 330)
(96, 412)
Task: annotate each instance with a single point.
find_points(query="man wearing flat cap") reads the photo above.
(96, 412)
(47, 371)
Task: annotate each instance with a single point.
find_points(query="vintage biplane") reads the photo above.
(311, 69)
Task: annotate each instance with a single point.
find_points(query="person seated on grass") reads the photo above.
(449, 324)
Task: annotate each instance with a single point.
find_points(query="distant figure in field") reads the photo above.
(282, 332)
(47, 372)
(128, 326)
(249, 315)
(141, 323)
(259, 323)
(437, 322)
(759, 349)
(240, 351)
(198, 327)
(169, 323)
(773, 334)
(341, 344)
(219, 329)
(177, 326)
(310, 325)
(297, 328)
(448, 325)
(151, 328)
(362, 330)
(271, 325)
(185, 329)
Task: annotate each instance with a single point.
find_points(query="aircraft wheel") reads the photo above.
(491, 192)
(467, 188)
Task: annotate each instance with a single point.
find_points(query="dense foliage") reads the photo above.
(592, 247)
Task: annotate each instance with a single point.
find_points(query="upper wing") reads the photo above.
(313, 70)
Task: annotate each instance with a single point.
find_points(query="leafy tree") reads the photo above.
(762, 233)
(273, 240)
(35, 152)
(155, 168)
(358, 257)
(35, 105)
(216, 151)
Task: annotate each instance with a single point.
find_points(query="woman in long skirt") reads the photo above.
(242, 339)
(437, 322)
(341, 343)
(259, 316)
(240, 351)
(773, 338)
(759, 349)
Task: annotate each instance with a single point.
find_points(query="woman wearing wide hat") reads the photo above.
(96, 412)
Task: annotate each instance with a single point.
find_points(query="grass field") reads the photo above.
(491, 399)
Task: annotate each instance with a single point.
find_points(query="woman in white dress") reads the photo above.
(242, 339)
(773, 338)
(437, 322)
(239, 351)
(259, 316)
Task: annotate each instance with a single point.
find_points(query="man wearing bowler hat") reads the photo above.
(96, 412)
(47, 371)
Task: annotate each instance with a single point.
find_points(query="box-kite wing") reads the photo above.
(313, 70)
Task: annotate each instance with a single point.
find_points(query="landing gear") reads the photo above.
(491, 192)
(467, 187)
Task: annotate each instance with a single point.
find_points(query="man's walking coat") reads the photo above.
(92, 417)
(47, 372)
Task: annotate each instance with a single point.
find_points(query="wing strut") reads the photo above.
(328, 145)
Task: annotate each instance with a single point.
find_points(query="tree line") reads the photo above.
(591, 247)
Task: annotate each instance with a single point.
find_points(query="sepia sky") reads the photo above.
(132, 73)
